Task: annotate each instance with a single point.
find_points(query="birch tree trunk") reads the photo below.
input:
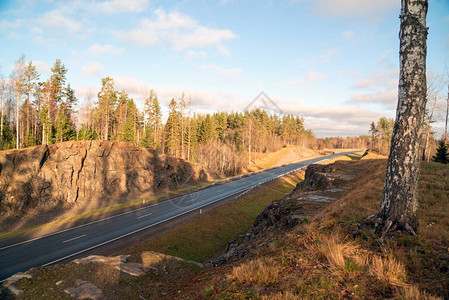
(447, 115)
(400, 202)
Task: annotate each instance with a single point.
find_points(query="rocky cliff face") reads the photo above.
(83, 171)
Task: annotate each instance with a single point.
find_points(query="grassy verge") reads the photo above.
(204, 237)
(100, 211)
(334, 257)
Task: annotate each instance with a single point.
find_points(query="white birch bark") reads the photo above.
(400, 203)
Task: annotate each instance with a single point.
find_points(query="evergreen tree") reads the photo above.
(128, 129)
(172, 129)
(85, 133)
(442, 155)
(64, 128)
(57, 88)
(46, 125)
(71, 101)
(58, 80)
(155, 117)
(107, 98)
(206, 130)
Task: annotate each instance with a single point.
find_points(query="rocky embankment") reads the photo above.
(86, 171)
(150, 275)
(322, 184)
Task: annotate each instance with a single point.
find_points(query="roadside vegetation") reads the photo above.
(333, 256)
(207, 235)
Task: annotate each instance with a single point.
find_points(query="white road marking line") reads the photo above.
(144, 216)
(127, 234)
(128, 212)
(75, 238)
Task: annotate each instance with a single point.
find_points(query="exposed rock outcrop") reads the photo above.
(322, 177)
(282, 215)
(81, 171)
(85, 290)
(9, 283)
(118, 262)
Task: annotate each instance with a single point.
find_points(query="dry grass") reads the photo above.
(343, 258)
(280, 296)
(332, 257)
(261, 271)
(205, 236)
(389, 270)
(284, 155)
(413, 293)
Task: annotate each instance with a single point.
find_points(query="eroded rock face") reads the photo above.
(282, 215)
(85, 290)
(322, 177)
(80, 171)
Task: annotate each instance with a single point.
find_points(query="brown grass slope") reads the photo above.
(333, 257)
(327, 256)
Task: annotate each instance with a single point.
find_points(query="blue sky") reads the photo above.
(333, 62)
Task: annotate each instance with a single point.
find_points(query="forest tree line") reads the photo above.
(36, 111)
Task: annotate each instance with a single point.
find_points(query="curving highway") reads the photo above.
(20, 255)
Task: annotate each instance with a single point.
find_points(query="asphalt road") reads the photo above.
(20, 255)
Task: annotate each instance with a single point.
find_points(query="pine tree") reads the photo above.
(57, 88)
(172, 129)
(442, 155)
(156, 115)
(107, 98)
(206, 129)
(182, 107)
(85, 133)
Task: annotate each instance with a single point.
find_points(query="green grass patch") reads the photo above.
(204, 237)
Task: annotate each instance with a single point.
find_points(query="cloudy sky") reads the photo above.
(333, 62)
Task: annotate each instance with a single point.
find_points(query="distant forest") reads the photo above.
(48, 112)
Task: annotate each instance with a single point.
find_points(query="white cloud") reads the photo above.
(378, 87)
(377, 80)
(348, 34)
(97, 50)
(387, 98)
(6, 27)
(357, 9)
(328, 120)
(227, 74)
(176, 31)
(202, 100)
(196, 54)
(324, 120)
(93, 69)
(309, 78)
(55, 20)
(42, 67)
(120, 6)
(315, 77)
(322, 58)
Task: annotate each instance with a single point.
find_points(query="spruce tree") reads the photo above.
(442, 155)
